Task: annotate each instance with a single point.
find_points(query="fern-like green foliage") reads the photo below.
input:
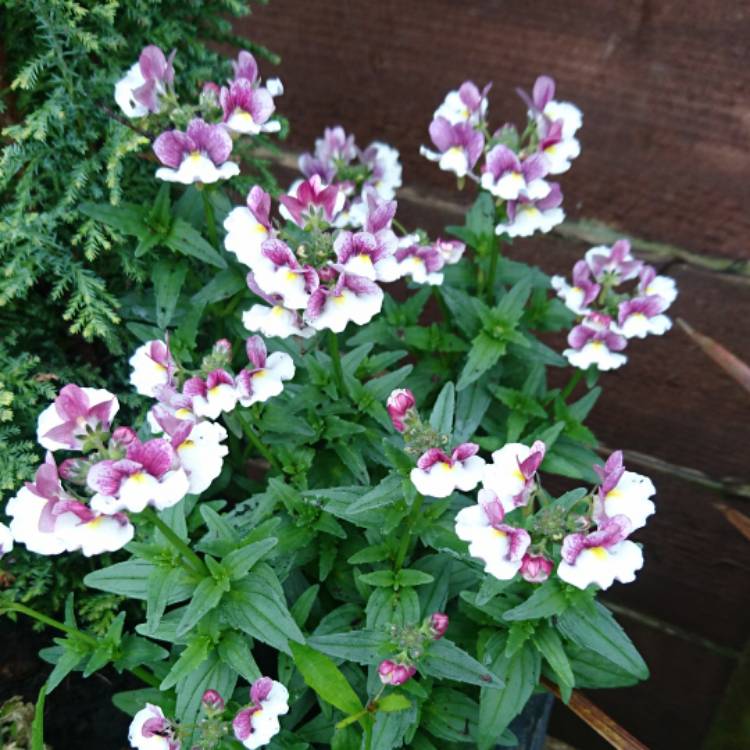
(65, 143)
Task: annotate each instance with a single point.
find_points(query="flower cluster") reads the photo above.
(338, 161)
(589, 540)
(617, 298)
(512, 167)
(314, 276)
(200, 152)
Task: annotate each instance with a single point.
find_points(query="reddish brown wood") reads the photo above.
(664, 87)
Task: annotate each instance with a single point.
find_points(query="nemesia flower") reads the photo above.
(584, 291)
(423, 263)
(451, 250)
(311, 198)
(438, 475)
(438, 625)
(247, 108)
(601, 557)
(636, 318)
(200, 449)
(650, 284)
(64, 423)
(171, 410)
(616, 261)
(149, 474)
(385, 169)
(91, 532)
(392, 673)
(400, 403)
(248, 227)
(526, 216)
(212, 396)
(623, 493)
(595, 342)
(556, 150)
(334, 147)
(275, 319)
(535, 568)
(6, 540)
(279, 272)
(266, 378)
(360, 253)
(459, 146)
(200, 154)
(352, 298)
(138, 92)
(151, 730)
(509, 178)
(257, 724)
(245, 67)
(152, 365)
(212, 699)
(501, 547)
(466, 104)
(511, 477)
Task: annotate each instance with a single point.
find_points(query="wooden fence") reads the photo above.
(664, 87)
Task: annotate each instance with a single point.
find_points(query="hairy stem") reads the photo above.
(251, 435)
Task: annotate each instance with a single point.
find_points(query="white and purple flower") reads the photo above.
(212, 396)
(650, 284)
(257, 724)
(248, 227)
(395, 673)
(511, 477)
(582, 293)
(526, 216)
(247, 108)
(361, 253)
(465, 104)
(139, 91)
(623, 493)
(278, 272)
(595, 342)
(615, 263)
(438, 475)
(200, 449)
(459, 146)
(400, 405)
(509, 178)
(152, 367)
(200, 154)
(422, 263)
(641, 316)
(501, 547)
(536, 568)
(266, 379)
(311, 199)
(151, 730)
(352, 298)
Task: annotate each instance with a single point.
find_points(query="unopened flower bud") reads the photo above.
(124, 436)
(399, 403)
(327, 273)
(535, 568)
(212, 700)
(223, 347)
(74, 470)
(392, 673)
(438, 625)
(210, 93)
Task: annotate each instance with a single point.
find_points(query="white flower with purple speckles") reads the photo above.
(509, 178)
(266, 379)
(248, 227)
(201, 450)
(526, 216)
(459, 146)
(511, 477)
(385, 169)
(152, 366)
(352, 298)
(257, 724)
(594, 342)
(422, 263)
(438, 475)
(149, 474)
(616, 262)
(63, 424)
(138, 92)
(650, 284)
(275, 321)
(557, 123)
(501, 547)
(641, 316)
(582, 293)
(212, 396)
(451, 250)
(362, 254)
(601, 557)
(278, 272)
(311, 198)
(247, 108)
(623, 493)
(200, 154)
(466, 104)
(151, 730)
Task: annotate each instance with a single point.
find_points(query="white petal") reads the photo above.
(603, 566)
(438, 481)
(146, 374)
(630, 498)
(468, 473)
(124, 88)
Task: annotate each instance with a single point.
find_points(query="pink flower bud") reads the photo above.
(210, 92)
(73, 470)
(212, 699)
(327, 273)
(535, 568)
(399, 403)
(392, 673)
(438, 625)
(223, 347)
(124, 436)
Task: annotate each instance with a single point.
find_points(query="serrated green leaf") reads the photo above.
(192, 656)
(547, 600)
(484, 354)
(184, 238)
(240, 561)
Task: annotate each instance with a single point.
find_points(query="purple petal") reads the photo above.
(359, 284)
(431, 457)
(146, 95)
(105, 477)
(579, 336)
(195, 387)
(170, 148)
(152, 63)
(543, 92)
(218, 377)
(260, 690)
(262, 106)
(279, 253)
(441, 132)
(259, 203)
(256, 351)
(242, 724)
(572, 546)
(213, 139)
(470, 96)
(464, 451)
(553, 200)
(72, 402)
(156, 456)
(501, 159)
(245, 66)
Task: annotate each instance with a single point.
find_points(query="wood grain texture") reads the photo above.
(664, 87)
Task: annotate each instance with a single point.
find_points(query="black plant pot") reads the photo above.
(530, 726)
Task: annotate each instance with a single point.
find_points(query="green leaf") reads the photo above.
(473, 402)
(207, 595)
(360, 646)
(378, 578)
(69, 658)
(240, 561)
(234, 651)
(168, 280)
(371, 554)
(37, 725)
(594, 671)
(550, 646)
(484, 354)
(394, 702)
(352, 459)
(387, 492)
(411, 577)
(160, 586)
(512, 304)
(391, 728)
(325, 678)
(192, 656)
(581, 408)
(223, 285)
(451, 715)
(132, 701)
(480, 219)
(387, 607)
(444, 660)
(185, 239)
(380, 388)
(301, 608)
(441, 419)
(125, 217)
(597, 630)
(546, 601)
(135, 651)
(126, 579)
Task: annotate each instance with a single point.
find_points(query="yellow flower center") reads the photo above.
(598, 552)
(138, 478)
(244, 117)
(260, 374)
(277, 310)
(182, 413)
(339, 299)
(195, 156)
(499, 534)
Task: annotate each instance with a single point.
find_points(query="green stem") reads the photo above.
(208, 211)
(147, 677)
(575, 379)
(262, 449)
(196, 565)
(338, 373)
(492, 272)
(410, 521)
(401, 228)
(441, 303)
